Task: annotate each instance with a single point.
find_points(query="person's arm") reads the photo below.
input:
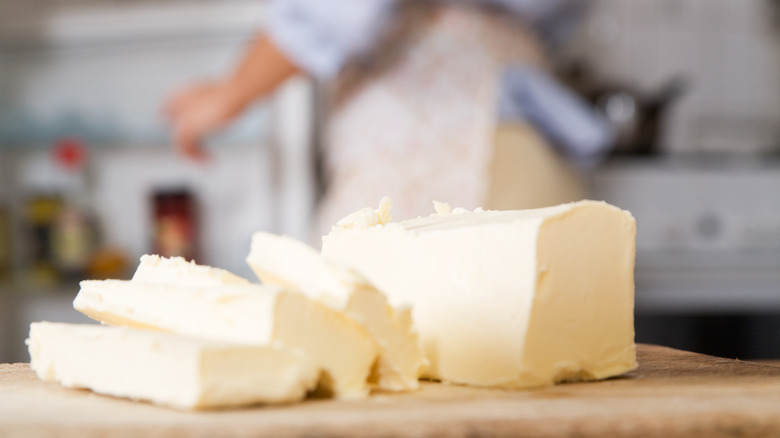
(302, 35)
(203, 108)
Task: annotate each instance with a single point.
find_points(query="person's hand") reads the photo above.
(198, 111)
(201, 109)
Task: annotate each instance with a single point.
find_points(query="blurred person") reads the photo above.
(428, 100)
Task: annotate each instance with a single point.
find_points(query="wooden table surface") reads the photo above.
(673, 393)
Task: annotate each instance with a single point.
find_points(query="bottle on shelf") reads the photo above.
(175, 223)
(74, 233)
(40, 212)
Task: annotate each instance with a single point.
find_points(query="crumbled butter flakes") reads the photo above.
(442, 207)
(367, 217)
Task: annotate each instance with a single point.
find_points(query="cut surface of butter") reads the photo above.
(250, 314)
(176, 270)
(166, 369)
(281, 260)
(508, 298)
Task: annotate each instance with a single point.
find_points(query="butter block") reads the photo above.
(510, 299)
(166, 369)
(176, 270)
(281, 260)
(249, 314)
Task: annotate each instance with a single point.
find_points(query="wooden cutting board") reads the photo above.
(673, 393)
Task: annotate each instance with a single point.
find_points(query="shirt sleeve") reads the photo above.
(563, 117)
(321, 35)
(552, 19)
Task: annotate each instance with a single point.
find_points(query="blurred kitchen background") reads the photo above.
(89, 181)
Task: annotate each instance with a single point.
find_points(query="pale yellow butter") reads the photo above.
(284, 261)
(508, 298)
(176, 270)
(167, 369)
(250, 314)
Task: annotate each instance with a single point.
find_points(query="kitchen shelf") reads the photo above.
(114, 23)
(21, 306)
(250, 130)
(58, 290)
(101, 72)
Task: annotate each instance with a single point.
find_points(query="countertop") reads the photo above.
(673, 393)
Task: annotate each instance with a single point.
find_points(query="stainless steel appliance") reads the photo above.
(708, 246)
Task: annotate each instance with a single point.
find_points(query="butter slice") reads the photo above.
(166, 369)
(508, 298)
(249, 314)
(176, 270)
(284, 261)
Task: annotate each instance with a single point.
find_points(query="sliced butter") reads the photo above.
(166, 369)
(250, 314)
(176, 270)
(507, 298)
(284, 261)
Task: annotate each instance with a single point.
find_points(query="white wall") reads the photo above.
(728, 49)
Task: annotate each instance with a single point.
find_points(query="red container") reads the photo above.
(175, 224)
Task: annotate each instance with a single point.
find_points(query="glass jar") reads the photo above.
(175, 224)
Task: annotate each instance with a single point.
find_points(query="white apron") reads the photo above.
(417, 120)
